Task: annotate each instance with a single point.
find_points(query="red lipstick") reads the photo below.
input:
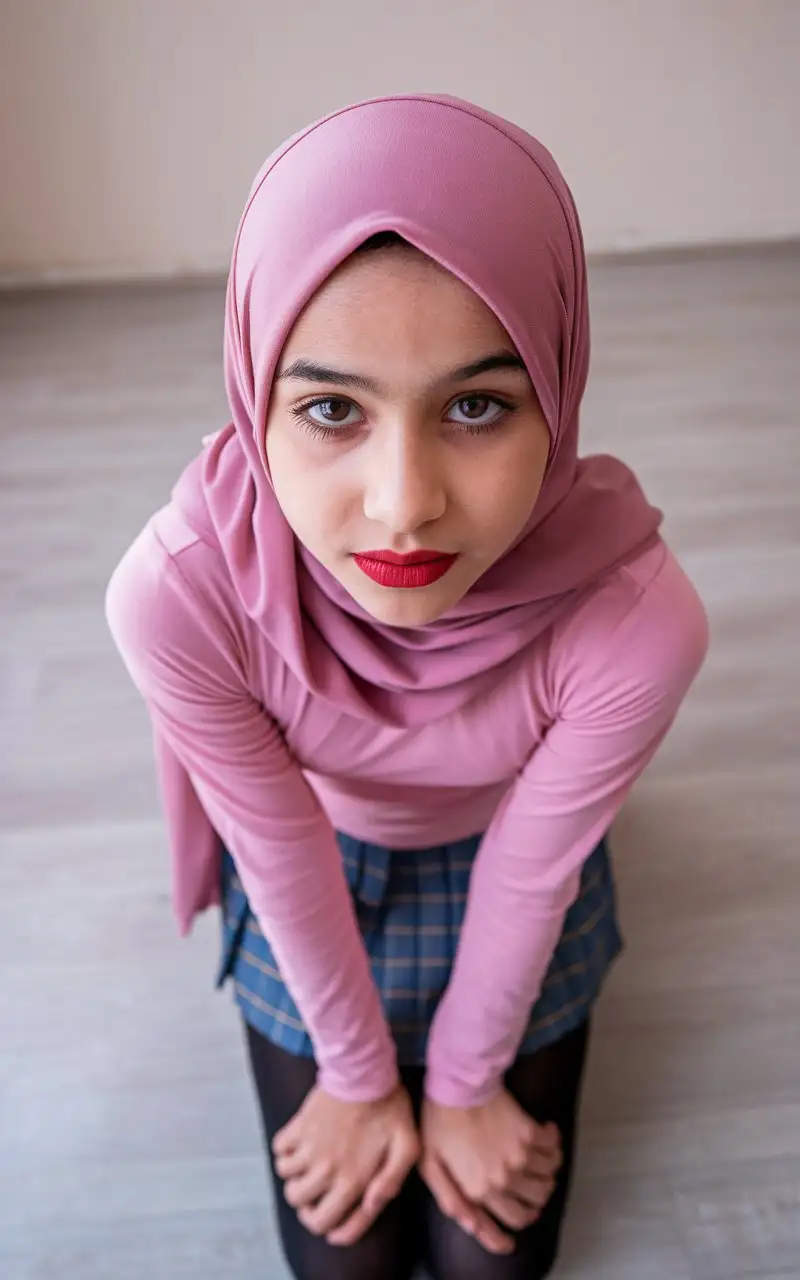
(416, 569)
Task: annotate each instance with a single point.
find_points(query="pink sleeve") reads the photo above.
(183, 660)
(618, 689)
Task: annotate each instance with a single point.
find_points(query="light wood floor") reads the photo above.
(128, 1140)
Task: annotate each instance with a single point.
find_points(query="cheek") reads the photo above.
(311, 495)
(503, 491)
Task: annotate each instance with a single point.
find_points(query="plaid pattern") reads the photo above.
(410, 905)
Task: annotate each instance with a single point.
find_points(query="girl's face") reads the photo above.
(402, 419)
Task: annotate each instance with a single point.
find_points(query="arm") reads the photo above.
(183, 661)
(618, 690)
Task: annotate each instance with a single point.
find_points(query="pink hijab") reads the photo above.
(485, 200)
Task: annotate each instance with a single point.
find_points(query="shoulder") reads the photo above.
(170, 595)
(643, 631)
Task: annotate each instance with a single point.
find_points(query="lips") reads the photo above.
(415, 569)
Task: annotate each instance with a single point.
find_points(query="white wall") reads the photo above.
(130, 129)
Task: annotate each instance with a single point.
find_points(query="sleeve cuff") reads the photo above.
(446, 1091)
(370, 1086)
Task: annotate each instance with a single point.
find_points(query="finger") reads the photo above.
(539, 1164)
(293, 1165)
(545, 1138)
(385, 1186)
(534, 1192)
(352, 1229)
(331, 1211)
(541, 1159)
(452, 1202)
(285, 1139)
(387, 1182)
(309, 1187)
(447, 1194)
(510, 1211)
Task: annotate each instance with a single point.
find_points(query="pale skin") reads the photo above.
(422, 450)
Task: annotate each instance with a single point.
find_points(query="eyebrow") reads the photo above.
(309, 371)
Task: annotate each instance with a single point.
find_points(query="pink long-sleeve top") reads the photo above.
(541, 767)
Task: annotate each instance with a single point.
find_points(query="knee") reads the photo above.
(456, 1256)
(313, 1259)
(311, 1265)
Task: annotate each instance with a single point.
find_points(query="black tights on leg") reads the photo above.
(547, 1084)
(387, 1251)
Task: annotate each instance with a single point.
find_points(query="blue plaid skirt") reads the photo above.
(410, 905)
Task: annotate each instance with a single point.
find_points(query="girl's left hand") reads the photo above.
(493, 1157)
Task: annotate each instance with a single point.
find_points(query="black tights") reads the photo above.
(412, 1229)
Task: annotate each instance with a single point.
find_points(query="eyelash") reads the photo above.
(318, 431)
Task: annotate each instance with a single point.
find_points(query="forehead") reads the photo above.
(394, 300)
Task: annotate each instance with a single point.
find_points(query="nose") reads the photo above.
(404, 485)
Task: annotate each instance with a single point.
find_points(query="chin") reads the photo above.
(404, 608)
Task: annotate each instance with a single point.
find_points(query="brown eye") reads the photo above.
(334, 411)
(478, 413)
(474, 406)
(329, 415)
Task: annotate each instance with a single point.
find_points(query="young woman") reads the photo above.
(404, 656)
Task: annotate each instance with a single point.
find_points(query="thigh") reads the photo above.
(389, 1249)
(547, 1084)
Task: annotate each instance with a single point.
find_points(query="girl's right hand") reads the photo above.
(343, 1162)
